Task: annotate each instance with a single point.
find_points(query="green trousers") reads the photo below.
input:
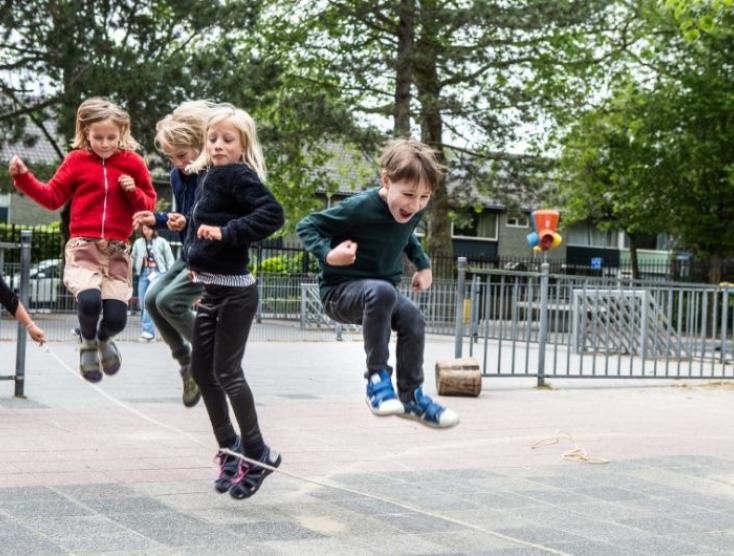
(170, 303)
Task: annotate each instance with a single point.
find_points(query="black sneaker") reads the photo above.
(229, 467)
(248, 482)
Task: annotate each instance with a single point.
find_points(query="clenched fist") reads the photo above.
(17, 166)
(343, 254)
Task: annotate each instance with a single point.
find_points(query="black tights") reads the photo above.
(114, 315)
(222, 325)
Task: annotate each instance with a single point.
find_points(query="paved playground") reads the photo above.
(81, 473)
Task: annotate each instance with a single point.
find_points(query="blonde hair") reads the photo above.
(252, 154)
(185, 127)
(99, 109)
(410, 160)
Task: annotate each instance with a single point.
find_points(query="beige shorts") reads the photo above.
(101, 264)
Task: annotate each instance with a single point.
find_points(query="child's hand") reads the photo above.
(176, 222)
(127, 183)
(343, 254)
(422, 280)
(209, 232)
(36, 334)
(17, 166)
(143, 218)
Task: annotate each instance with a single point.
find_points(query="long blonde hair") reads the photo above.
(252, 154)
(185, 126)
(99, 109)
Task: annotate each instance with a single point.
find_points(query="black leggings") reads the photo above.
(114, 315)
(223, 321)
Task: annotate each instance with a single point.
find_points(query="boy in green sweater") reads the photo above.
(360, 244)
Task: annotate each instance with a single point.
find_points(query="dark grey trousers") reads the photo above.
(379, 308)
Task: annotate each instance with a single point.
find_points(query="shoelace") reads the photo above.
(225, 460)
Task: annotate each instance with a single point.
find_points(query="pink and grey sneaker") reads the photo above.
(248, 482)
(229, 467)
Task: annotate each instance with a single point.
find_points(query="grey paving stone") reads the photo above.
(660, 525)
(25, 545)
(603, 510)
(120, 542)
(40, 508)
(23, 494)
(494, 500)
(261, 531)
(711, 521)
(594, 548)
(126, 505)
(398, 544)
(723, 542)
(611, 493)
(712, 503)
(658, 545)
(541, 535)
(317, 547)
(468, 541)
(96, 491)
(417, 523)
(63, 526)
(556, 496)
(566, 481)
(665, 506)
(298, 396)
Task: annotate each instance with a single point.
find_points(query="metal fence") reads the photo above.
(551, 325)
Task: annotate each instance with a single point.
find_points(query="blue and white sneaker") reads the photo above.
(428, 412)
(381, 397)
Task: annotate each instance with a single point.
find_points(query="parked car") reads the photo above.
(44, 279)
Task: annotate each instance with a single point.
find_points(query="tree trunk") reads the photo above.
(715, 268)
(429, 96)
(633, 256)
(404, 69)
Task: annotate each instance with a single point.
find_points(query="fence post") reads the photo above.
(544, 275)
(460, 286)
(259, 282)
(25, 266)
(724, 322)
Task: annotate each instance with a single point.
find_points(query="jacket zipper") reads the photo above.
(104, 205)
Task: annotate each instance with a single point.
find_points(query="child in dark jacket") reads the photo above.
(107, 182)
(169, 301)
(360, 244)
(232, 209)
(12, 305)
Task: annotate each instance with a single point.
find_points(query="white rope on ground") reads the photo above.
(577, 453)
(408, 507)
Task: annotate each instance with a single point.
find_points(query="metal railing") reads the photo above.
(24, 247)
(543, 324)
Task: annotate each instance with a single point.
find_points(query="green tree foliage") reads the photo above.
(658, 155)
(464, 76)
(695, 16)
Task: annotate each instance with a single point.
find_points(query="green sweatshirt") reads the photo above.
(381, 241)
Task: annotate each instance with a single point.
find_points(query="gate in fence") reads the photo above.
(549, 325)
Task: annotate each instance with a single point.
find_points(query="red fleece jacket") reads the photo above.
(100, 206)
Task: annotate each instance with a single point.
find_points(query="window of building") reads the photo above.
(659, 242)
(518, 222)
(586, 235)
(477, 225)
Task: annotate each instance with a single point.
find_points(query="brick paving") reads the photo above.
(82, 475)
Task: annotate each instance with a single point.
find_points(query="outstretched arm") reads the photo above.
(50, 195)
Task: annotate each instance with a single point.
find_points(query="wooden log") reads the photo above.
(458, 377)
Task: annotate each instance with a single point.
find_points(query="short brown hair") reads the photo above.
(410, 160)
(99, 109)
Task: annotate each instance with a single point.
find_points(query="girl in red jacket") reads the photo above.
(106, 182)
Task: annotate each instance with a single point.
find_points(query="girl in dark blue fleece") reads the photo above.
(232, 209)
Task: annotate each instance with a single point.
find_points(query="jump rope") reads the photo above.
(559, 436)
